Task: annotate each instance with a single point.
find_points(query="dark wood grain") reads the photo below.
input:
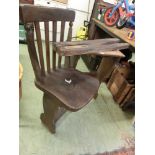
(46, 25)
(54, 40)
(106, 67)
(115, 32)
(40, 49)
(61, 39)
(52, 111)
(59, 61)
(97, 48)
(70, 31)
(34, 13)
(32, 50)
(89, 42)
(74, 95)
(128, 100)
(119, 85)
(62, 31)
(64, 88)
(54, 31)
(68, 58)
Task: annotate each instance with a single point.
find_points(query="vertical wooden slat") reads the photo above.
(59, 61)
(61, 39)
(46, 25)
(40, 49)
(62, 31)
(32, 50)
(106, 67)
(69, 38)
(54, 40)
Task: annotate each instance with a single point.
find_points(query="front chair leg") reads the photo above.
(52, 112)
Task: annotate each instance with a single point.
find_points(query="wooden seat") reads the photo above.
(64, 87)
(74, 88)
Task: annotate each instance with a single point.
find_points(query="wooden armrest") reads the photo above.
(104, 47)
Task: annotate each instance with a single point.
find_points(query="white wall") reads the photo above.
(81, 10)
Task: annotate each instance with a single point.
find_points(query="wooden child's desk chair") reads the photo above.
(64, 87)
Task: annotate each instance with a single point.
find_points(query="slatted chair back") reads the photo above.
(32, 16)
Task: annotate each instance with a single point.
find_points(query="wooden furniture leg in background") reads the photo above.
(92, 31)
(105, 69)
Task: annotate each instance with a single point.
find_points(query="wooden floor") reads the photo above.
(98, 127)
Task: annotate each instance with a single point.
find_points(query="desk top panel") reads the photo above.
(115, 32)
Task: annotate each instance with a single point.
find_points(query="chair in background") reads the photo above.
(64, 87)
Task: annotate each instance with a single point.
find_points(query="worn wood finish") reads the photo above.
(46, 25)
(54, 40)
(74, 95)
(105, 47)
(32, 50)
(69, 38)
(123, 91)
(59, 61)
(114, 32)
(106, 67)
(101, 47)
(64, 88)
(34, 13)
(62, 31)
(61, 39)
(89, 48)
(52, 111)
(107, 50)
(119, 86)
(129, 99)
(69, 59)
(74, 59)
(91, 31)
(89, 42)
(40, 48)
(54, 31)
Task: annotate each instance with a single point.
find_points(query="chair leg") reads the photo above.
(52, 112)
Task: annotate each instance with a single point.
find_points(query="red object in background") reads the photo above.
(111, 21)
(26, 1)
